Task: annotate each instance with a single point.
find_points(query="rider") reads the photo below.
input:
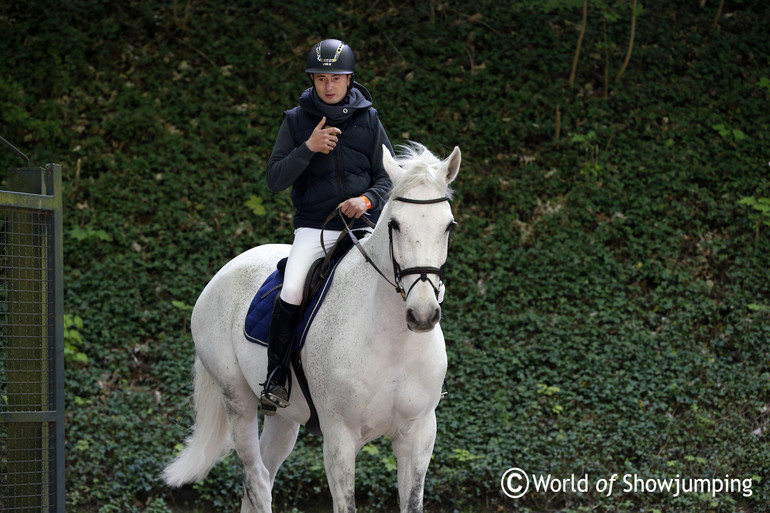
(329, 148)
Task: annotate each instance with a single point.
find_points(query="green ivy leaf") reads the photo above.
(255, 205)
(182, 306)
(370, 449)
(89, 233)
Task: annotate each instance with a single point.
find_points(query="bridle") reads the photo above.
(422, 271)
(398, 272)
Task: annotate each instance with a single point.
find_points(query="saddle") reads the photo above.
(317, 283)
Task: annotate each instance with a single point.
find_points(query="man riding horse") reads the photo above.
(329, 149)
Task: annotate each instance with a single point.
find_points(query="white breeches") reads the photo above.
(305, 250)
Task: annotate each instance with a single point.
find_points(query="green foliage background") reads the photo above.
(607, 306)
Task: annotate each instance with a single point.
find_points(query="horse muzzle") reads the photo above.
(421, 320)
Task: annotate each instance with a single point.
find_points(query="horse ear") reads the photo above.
(390, 164)
(453, 166)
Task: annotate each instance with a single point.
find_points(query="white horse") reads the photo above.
(374, 359)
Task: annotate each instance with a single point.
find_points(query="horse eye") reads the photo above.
(394, 225)
(451, 226)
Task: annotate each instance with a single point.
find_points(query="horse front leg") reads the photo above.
(413, 448)
(340, 463)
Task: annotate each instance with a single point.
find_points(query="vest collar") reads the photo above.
(357, 98)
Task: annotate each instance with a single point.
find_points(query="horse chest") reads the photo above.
(391, 409)
(403, 393)
(379, 391)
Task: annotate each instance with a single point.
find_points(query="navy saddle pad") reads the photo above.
(257, 326)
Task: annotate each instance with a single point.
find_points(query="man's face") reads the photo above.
(331, 88)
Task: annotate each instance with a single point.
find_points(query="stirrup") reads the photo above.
(268, 408)
(275, 395)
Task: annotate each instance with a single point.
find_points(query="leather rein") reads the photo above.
(398, 272)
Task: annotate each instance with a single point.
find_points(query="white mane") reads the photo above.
(420, 167)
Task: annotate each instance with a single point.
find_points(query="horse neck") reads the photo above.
(368, 291)
(377, 246)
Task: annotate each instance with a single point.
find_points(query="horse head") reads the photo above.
(420, 222)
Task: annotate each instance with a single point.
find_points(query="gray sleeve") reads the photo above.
(380, 189)
(287, 162)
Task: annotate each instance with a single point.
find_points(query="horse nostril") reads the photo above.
(436, 316)
(411, 319)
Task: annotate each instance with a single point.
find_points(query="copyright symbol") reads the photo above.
(514, 483)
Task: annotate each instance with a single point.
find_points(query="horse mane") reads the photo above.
(420, 167)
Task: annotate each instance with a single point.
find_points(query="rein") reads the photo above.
(398, 272)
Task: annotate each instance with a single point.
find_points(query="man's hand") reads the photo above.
(323, 139)
(354, 207)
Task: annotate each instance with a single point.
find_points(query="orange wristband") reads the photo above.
(368, 202)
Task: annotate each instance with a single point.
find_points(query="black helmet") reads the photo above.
(331, 56)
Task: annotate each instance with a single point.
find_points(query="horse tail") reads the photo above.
(210, 440)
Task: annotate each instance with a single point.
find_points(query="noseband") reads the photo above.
(398, 272)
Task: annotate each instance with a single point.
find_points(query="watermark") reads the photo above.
(516, 483)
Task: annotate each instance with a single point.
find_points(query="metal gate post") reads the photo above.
(32, 342)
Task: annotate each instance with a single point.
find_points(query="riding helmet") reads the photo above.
(331, 56)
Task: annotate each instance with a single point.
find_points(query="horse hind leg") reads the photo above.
(225, 417)
(241, 405)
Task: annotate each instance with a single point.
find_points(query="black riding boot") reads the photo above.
(282, 327)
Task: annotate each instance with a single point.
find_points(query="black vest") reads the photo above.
(343, 173)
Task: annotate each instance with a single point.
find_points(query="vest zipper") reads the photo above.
(340, 172)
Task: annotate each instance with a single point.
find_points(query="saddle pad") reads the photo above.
(257, 325)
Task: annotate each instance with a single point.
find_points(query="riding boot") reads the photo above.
(282, 327)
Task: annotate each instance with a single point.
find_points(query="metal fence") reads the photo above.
(31, 342)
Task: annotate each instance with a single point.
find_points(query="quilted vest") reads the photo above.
(343, 173)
